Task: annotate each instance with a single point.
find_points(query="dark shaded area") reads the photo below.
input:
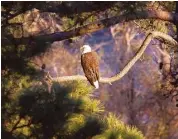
(72, 8)
(6, 135)
(62, 8)
(49, 113)
(48, 110)
(91, 128)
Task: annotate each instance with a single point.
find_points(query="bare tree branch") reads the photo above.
(128, 66)
(15, 126)
(92, 27)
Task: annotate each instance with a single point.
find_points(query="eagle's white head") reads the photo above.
(85, 49)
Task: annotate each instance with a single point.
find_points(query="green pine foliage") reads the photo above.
(69, 111)
(116, 129)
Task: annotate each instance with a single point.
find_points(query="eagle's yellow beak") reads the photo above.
(81, 49)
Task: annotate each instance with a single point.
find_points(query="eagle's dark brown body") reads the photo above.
(90, 65)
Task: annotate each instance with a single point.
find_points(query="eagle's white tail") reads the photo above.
(96, 84)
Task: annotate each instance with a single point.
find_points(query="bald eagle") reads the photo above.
(90, 65)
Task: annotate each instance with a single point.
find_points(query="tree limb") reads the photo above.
(128, 66)
(92, 27)
(14, 127)
(22, 126)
